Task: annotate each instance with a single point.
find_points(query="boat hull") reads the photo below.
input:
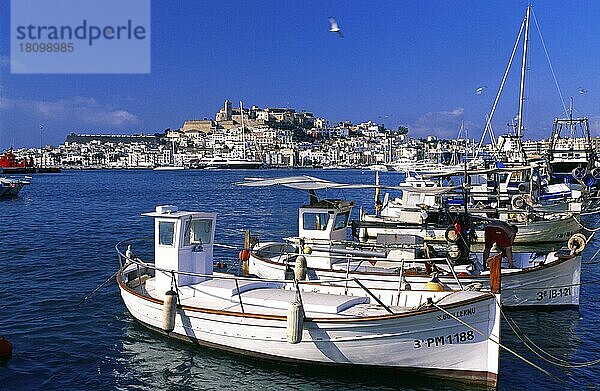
(555, 283)
(423, 342)
(550, 231)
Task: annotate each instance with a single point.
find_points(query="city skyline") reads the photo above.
(416, 64)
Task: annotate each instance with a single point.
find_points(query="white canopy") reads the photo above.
(306, 182)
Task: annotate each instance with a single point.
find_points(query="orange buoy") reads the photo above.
(244, 255)
(5, 348)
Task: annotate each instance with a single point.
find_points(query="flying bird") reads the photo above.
(480, 90)
(335, 28)
(582, 90)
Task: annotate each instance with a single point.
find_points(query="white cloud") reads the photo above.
(442, 124)
(79, 109)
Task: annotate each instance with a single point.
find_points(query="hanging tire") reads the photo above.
(451, 235)
(517, 202)
(596, 173)
(579, 172)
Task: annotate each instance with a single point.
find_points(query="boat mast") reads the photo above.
(523, 69)
(243, 139)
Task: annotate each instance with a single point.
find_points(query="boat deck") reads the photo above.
(267, 298)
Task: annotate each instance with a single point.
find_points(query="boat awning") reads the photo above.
(306, 182)
(478, 172)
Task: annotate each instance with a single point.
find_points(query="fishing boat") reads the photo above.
(530, 278)
(571, 156)
(11, 187)
(425, 207)
(446, 334)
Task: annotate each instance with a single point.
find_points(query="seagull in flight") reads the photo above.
(335, 28)
(480, 90)
(582, 90)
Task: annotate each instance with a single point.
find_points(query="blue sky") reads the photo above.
(416, 62)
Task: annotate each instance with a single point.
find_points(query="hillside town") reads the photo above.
(272, 137)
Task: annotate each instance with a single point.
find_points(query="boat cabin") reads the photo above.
(183, 242)
(324, 219)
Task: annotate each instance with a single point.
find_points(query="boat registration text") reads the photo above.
(442, 340)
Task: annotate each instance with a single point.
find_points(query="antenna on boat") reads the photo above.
(571, 109)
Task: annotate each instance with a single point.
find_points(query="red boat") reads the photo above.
(10, 165)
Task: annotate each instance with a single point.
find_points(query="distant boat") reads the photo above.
(11, 187)
(168, 168)
(225, 163)
(10, 165)
(378, 167)
(219, 162)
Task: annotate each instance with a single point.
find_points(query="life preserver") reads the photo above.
(579, 172)
(576, 243)
(517, 202)
(596, 173)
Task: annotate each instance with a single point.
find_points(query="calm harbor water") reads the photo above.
(57, 244)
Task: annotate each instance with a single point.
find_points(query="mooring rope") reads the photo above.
(498, 343)
(584, 227)
(591, 259)
(556, 361)
(97, 288)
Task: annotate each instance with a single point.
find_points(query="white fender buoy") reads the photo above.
(576, 243)
(300, 268)
(169, 311)
(404, 285)
(295, 322)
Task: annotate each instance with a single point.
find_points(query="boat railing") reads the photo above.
(127, 259)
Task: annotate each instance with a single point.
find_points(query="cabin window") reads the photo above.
(341, 221)
(198, 231)
(166, 233)
(315, 221)
(413, 199)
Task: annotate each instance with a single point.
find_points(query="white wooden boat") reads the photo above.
(449, 334)
(535, 278)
